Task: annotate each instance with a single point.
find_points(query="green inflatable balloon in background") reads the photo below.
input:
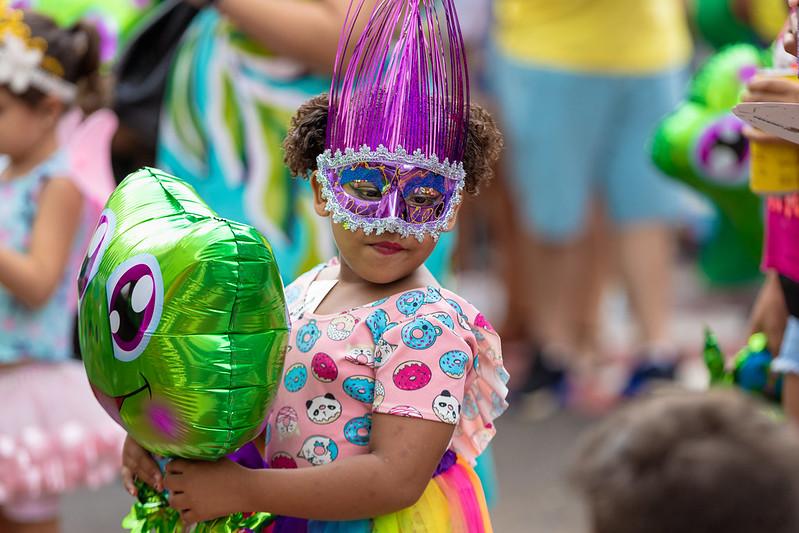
(701, 144)
(720, 23)
(182, 320)
(115, 20)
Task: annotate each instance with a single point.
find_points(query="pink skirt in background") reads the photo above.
(54, 436)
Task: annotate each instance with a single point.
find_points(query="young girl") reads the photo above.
(53, 435)
(390, 380)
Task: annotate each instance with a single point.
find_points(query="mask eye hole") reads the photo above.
(97, 247)
(135, 301)
(722, 152)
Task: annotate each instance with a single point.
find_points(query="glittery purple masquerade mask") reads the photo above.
(398, 120)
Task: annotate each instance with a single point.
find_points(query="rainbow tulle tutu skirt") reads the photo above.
(453, 501)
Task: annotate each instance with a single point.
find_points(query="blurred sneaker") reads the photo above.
(545, 373)
(544, 390)
(648, 373)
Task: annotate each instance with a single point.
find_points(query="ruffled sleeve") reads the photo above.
(442, 365)
(485, 396)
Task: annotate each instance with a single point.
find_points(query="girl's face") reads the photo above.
(23, 126)
(374, 258)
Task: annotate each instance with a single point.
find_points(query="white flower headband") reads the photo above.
(23, 62)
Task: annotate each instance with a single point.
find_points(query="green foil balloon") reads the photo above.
(183, 324)
(701, 144)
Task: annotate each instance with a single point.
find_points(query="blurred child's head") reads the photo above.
(686, 462)
(69, 64)
(389, 256)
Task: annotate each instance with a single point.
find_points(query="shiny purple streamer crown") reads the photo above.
(406, 82)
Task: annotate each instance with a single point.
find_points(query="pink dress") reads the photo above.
(424, 353)
(781, 249)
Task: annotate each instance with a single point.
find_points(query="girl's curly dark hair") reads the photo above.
(306, 140)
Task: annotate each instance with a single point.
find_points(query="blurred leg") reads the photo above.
(557, 266)
(596, 251)
(644, 204)
(646, 263)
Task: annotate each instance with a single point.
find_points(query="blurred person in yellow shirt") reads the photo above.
(582, 85)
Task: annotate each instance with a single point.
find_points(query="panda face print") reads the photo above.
(447, 408)
(323, 409)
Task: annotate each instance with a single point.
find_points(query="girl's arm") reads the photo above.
(32, 277)
(304, 30)
(790, 397)
(770, 313)
(404, 453)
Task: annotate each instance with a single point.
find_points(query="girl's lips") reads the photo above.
(387, 248)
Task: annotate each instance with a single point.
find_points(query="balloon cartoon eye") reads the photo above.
(135, 300)
(97, 247)
(722, 152)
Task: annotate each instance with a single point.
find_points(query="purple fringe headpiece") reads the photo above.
(405, 87)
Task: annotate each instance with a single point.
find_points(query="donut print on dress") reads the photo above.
(293, 294)
(406, 411)
(482, 322)
(420, 334)
(412, 375)
(324, 368)
(357, 430)
(463, 320)
(282, 460)
(307, 336)
(323, 409)
(453, 363)
(469, 408)
(341, 327)
(433, 295)
(286, 422)
(380, 394)
(361, 388)
(377, 323)
(296, 377)
(319, 450)
(447, 408)
(410, 302)
(445, 319)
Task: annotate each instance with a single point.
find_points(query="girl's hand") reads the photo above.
(770, 314)
(789, 39)
(137, 463)
(202, 491)
(771, 89)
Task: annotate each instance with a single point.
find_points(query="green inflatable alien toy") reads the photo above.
(183, 324)
(115, 20)
(702, 145)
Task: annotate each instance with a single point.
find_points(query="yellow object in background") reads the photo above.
(626, 37)
(768, 17)
(775, 164)
(775, 167)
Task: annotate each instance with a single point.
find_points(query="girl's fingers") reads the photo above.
(148, 471)
(128, 482)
